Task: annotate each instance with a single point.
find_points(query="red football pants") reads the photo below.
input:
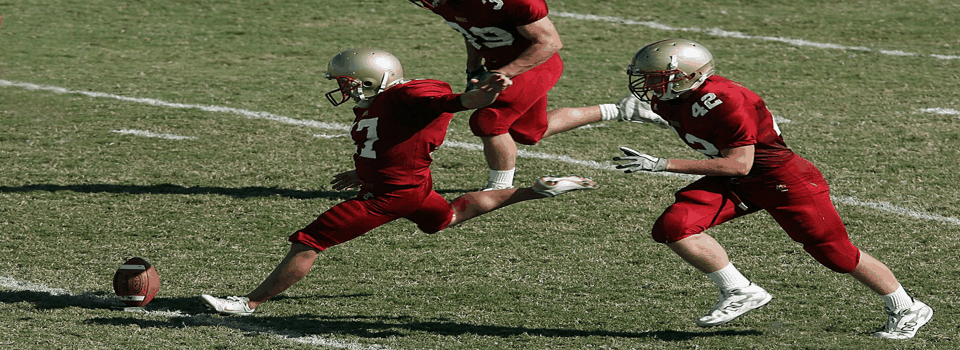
(795, 195)
(521, 109)
(354, 217)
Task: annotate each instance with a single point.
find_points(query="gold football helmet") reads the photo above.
(362, 74)
(668, 68)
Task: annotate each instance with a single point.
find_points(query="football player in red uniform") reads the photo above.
(748, 168)
(398, 124)
(515, 39)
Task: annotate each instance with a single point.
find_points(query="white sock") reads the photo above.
(897, 300)
(501, 177)
(729, 278)
(609, 111)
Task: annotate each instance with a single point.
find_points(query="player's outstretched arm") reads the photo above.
(487, 90)
(736, 161)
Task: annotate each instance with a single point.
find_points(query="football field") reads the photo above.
(195, 134)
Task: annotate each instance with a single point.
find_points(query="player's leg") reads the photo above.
(500, 153)
(831, 246)
(293, 268)
(875, 275)
(810, 218)
(905, 315)
(702, 251)
(473, 204)
(519, 115)
(341, 223)
(628, 108)
(567, 118)
(701, 205)
(698, 206)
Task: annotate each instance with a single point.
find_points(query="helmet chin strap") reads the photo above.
(668, 93)
(362, 96)
(383, 86)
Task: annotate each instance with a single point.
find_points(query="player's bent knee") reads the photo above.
(840, 256)
(667, 229)
(486, 123)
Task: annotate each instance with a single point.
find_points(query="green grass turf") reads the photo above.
(576, 272)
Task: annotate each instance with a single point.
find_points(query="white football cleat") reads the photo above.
(733, 303)
(905, 323)
(633, 110)
(229, 306)
(554, 186)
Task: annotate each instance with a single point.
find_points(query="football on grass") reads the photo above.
(136, 282)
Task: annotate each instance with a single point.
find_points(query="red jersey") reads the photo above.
(491, 25)
(396, 133)
(723, 114)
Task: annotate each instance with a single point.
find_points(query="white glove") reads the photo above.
(634, 110)
(637, 161)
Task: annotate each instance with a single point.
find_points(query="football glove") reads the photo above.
(637, 161)
(633, 110)
(480, 74)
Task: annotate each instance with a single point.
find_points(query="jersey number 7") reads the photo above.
(371, 125)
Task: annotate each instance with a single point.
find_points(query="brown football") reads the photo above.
(136, 282)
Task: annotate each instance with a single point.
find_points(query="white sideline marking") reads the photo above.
(563, 159)
(14, 284)
(781, 120)
(450, 143)
(207, 108)
(152, 134)
(946, 111)
(890, 208)
(733, 34)
(201, 319)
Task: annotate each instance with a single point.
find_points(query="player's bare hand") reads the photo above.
(345, 180)
(495, 82)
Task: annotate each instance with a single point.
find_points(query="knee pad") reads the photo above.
(840, 255)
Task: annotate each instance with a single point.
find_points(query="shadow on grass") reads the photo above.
(49, 300)
(243, 192)
(381, 327)
(190, 312)
(386, 326)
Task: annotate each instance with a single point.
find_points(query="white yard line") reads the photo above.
(893, 209)
(208, 108)
(734, 34)
(14, 284)
(883, 206)
(145, 133)
(946, 111)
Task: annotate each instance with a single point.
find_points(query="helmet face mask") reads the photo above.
(668, 68)
(647, 85)
(362, 74)
(349, 88)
